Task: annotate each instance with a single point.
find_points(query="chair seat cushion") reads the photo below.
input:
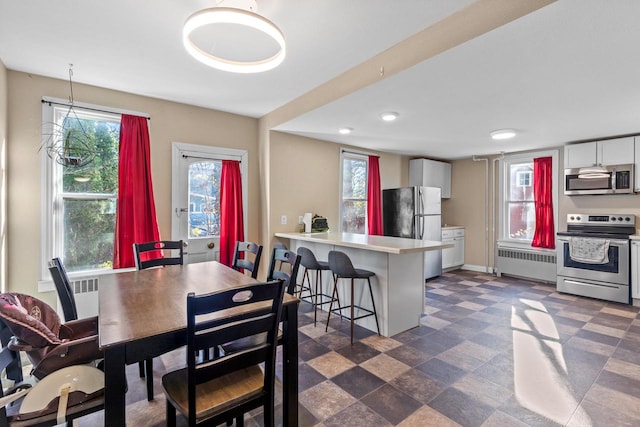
(363, 274)
(30, 320)
(214, 396)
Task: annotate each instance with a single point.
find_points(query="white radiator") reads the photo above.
(85, 291)
(529, 264)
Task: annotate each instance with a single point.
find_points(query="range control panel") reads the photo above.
(602, 219)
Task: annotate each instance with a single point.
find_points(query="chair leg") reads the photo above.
(335, 286)
(352, 311)
(149, 373)
(315, 297)
(373, 303)
(171, 415)
(141, 369)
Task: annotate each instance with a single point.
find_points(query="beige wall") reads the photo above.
(305, 177)
(3, 140)
(170, 122)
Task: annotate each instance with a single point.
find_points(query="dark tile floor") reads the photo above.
(490, 352)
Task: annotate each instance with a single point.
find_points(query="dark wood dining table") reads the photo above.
(143, 315)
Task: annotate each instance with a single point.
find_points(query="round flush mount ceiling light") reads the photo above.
(240, 13)
(345, 131)
(389, 116)
(503, 134)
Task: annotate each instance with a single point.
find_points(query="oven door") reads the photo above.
(616, 270)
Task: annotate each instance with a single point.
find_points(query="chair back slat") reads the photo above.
(157, 254)
(289, 263)
(63, 288)
(241, 262)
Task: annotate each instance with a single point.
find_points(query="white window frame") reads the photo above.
(505, 163)
(346, 154)
(528, 174)
(51, 194)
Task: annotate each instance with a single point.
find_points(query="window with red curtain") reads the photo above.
(231, 222)
(374, 196)
(136, 211)
(544, 236)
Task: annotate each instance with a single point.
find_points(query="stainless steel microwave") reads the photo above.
(617, 179)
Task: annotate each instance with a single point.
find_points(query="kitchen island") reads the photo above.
(398, 263)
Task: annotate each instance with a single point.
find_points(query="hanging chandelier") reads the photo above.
(66, 141)
(240, 13)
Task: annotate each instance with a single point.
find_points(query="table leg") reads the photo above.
(290, 369)
(114, 386)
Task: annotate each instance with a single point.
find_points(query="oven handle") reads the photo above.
(612, 242)
(600, 285)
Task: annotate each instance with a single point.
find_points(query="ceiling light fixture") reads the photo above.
(503, 134)
(345, 131)
(239, 12)
(389, 116)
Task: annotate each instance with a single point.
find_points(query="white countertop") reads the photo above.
(391, 245)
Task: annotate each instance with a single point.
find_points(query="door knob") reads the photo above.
(211, 245)
(185, 244)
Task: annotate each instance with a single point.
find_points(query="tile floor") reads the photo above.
(490, 352)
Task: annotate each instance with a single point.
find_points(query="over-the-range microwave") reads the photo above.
(616, 179)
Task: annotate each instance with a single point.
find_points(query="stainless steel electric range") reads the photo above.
(593, 256)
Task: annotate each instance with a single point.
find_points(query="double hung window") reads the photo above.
(353, 193)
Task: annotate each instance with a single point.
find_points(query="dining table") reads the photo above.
(143, 314)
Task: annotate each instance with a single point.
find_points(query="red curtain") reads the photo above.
(374, 198)
(136, 211)
(231, 226)
(544, 236)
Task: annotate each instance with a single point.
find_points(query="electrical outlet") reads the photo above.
(300, 219)
(283, 220)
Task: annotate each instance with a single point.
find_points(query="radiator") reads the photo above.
(528, 264)
(85, 292)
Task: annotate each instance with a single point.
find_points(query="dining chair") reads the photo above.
(240, 260)
(157, 254)
(160, 253)
(227, 387)
(63, 288)
(342, 268)
(288, 264)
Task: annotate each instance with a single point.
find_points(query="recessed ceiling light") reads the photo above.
(503, 134)
(389, 116)
(345, 131)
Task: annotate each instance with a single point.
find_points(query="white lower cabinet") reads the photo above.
(453, 257)
(635, 268)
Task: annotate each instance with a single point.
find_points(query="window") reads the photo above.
(518, 217)
(353, 193)
(204, 188)
(79, 203)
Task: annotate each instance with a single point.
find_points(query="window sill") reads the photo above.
(48, 286)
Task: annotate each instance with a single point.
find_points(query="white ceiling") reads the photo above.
(566, 72)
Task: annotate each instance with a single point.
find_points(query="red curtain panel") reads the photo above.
(136, 211)
(231, 225)
(374, 198)
(544, 236)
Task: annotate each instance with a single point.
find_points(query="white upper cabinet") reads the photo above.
(431, 173)
(617, 151)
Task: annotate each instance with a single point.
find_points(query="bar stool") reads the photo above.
(309, 262)
(342, 268)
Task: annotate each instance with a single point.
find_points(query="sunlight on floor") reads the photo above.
(540, 372)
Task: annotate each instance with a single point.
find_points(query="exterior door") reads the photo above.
(196, 200)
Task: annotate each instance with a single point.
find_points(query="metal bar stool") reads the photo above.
(342, 268)
(309, 262)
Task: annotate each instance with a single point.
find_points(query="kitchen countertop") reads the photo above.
(391, 245)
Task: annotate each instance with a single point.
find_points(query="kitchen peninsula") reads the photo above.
(398, 286)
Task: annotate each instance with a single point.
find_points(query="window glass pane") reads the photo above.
(518, 191)
(88, 230)
(354, 179)
(101, 174)
(522, 220)
(204, 198)
(354, 216)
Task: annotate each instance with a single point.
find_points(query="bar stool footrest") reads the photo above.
(355, 307)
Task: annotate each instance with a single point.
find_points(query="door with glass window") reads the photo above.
(196, 209)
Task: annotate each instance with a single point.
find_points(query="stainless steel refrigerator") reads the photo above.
(414, 213)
